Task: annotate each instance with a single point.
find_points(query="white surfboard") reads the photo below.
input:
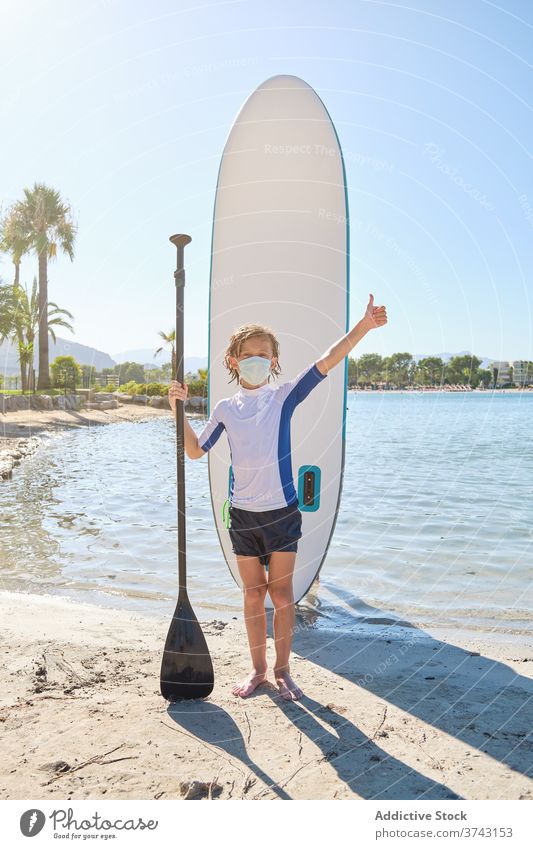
(279, 257)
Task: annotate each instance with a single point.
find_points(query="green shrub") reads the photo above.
(197, 387)
(66, 373)
(109, 388)
(130, 388)
(152, 389)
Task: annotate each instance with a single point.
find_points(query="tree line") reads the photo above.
(400, 370)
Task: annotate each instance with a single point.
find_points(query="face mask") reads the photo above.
(254, 370)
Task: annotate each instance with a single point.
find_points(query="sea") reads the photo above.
(434, 528)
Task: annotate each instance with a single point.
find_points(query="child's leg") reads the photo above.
(280, 571)
(253, 577)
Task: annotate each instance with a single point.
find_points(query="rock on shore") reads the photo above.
(12, 451)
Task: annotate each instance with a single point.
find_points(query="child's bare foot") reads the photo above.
(248, 684)
(287, 688)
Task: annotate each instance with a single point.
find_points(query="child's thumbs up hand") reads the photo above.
(375, 316)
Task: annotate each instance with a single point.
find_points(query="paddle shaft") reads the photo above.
(186, 667)
(180, 241)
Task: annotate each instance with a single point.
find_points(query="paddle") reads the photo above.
(186, 668)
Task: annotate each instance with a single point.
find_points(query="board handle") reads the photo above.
(309, 488)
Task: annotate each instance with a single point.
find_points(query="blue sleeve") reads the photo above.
(211, 430)
(295, 391)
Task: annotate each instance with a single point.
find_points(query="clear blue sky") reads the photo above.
(124, 107)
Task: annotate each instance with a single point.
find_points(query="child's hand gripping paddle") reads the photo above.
(186, 668)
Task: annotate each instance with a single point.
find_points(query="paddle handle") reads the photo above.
(180, 241)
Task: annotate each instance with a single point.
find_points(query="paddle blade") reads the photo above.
(186, 668)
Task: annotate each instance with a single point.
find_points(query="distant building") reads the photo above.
(520, 372)
(501, 370)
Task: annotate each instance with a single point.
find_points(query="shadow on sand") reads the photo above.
(475, 699)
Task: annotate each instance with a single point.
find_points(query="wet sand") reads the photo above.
(21, 432)
(417, 717)
(29, 423)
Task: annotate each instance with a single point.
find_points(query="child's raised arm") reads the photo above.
(373, 317)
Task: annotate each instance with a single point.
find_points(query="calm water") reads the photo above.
(435, 526)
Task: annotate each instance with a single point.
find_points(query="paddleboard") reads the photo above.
(279, 257)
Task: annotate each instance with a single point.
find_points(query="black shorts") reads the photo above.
(257, 533)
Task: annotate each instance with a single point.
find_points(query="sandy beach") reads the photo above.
(420, 717)
(28, 423)
(21, 431)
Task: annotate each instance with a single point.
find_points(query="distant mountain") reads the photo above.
(83, 354)
(142, 355)
(146, 357)
(194, 363)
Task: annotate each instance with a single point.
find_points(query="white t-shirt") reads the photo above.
(258, 426)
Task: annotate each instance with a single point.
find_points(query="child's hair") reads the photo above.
(247, 331)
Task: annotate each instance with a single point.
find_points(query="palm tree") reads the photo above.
(22, 317)
(6, 299)
(168, 339)
(45, 227)
(13, 239)
(10, 324)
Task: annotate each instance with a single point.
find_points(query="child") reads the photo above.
(264, 512)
